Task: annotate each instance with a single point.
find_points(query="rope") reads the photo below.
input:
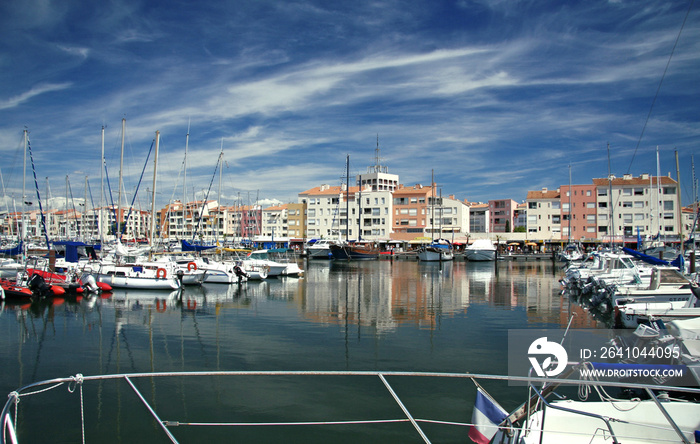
(78, 381)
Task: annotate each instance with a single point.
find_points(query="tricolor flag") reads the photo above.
(486, 417)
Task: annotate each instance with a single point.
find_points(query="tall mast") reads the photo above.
(347, 197)
(659, 207)
(184, 181)
(65, 211)
(102, 187)
(24, 185)
(432, 206)
(569, 203)
(85, 208)
(680, 207)
(221, 167)
(153, 196)
(610, 202)
(119, 193)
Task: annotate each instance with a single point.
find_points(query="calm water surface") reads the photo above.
(375, 315)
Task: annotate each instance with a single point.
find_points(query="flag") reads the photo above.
(486, 417)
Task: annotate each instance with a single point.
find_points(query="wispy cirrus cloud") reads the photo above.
(37, 90)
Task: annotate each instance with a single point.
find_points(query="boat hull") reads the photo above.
(480, 255)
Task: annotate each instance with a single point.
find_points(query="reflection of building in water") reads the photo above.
(384, 294)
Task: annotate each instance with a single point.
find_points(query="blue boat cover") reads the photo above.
(186, 246)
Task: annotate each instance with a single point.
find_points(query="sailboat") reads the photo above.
(352, 250)
(439, 249)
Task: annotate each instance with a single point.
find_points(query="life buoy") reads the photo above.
(191, 266)
(160, 308)
(161, 273)
(191, 305)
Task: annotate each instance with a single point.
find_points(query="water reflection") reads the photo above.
(382, 294)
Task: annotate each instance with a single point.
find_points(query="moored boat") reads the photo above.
(480, 250)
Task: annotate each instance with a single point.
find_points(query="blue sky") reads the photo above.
(497, 97)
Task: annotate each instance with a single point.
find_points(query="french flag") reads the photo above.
(485, 418)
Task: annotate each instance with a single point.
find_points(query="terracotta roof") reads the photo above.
(620, 181)
(415, 191)
(276, 208)
(534, 195)
(326, 191)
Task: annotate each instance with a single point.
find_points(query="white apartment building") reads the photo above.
(328, 208)
(544, 214)
(647, 205)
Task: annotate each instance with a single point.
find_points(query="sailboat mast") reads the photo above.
(102, 188)
(221, 167)
(184, 179)
(347, 197)
(153, 196)
(432, 207)
(569, 241)
(24, 185)
(680, 207)
(658, 195)
(83, 216)
(119, 192)
(610, 202)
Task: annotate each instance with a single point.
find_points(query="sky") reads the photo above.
(495, 98)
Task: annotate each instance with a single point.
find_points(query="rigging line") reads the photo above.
(131, 207)
(75, 213)
(38, 197)
(678, 37)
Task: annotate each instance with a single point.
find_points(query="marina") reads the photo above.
(406, 316)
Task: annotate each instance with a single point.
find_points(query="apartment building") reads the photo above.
(275, 222)
(479, 217)
(296, 221)
(544, 214)
(579, 212)
(628, 205)
(502, 212)
(411, 220)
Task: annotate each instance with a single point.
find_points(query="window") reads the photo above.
(602, 191)
(532, 205)
(557, 205)
(627, 191)
(638, 204)
(602, 205)
(590, 204)
(639, 191)
(668, 205)
(590, 218)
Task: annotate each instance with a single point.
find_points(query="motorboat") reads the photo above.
(480, 250)
(319, 249)
(438, 250)
(141, 275)
(277, 264)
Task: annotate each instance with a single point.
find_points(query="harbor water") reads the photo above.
(386, 315)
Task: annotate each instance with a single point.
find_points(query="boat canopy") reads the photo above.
(186, 246)
(14, 251)
(678, 262)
